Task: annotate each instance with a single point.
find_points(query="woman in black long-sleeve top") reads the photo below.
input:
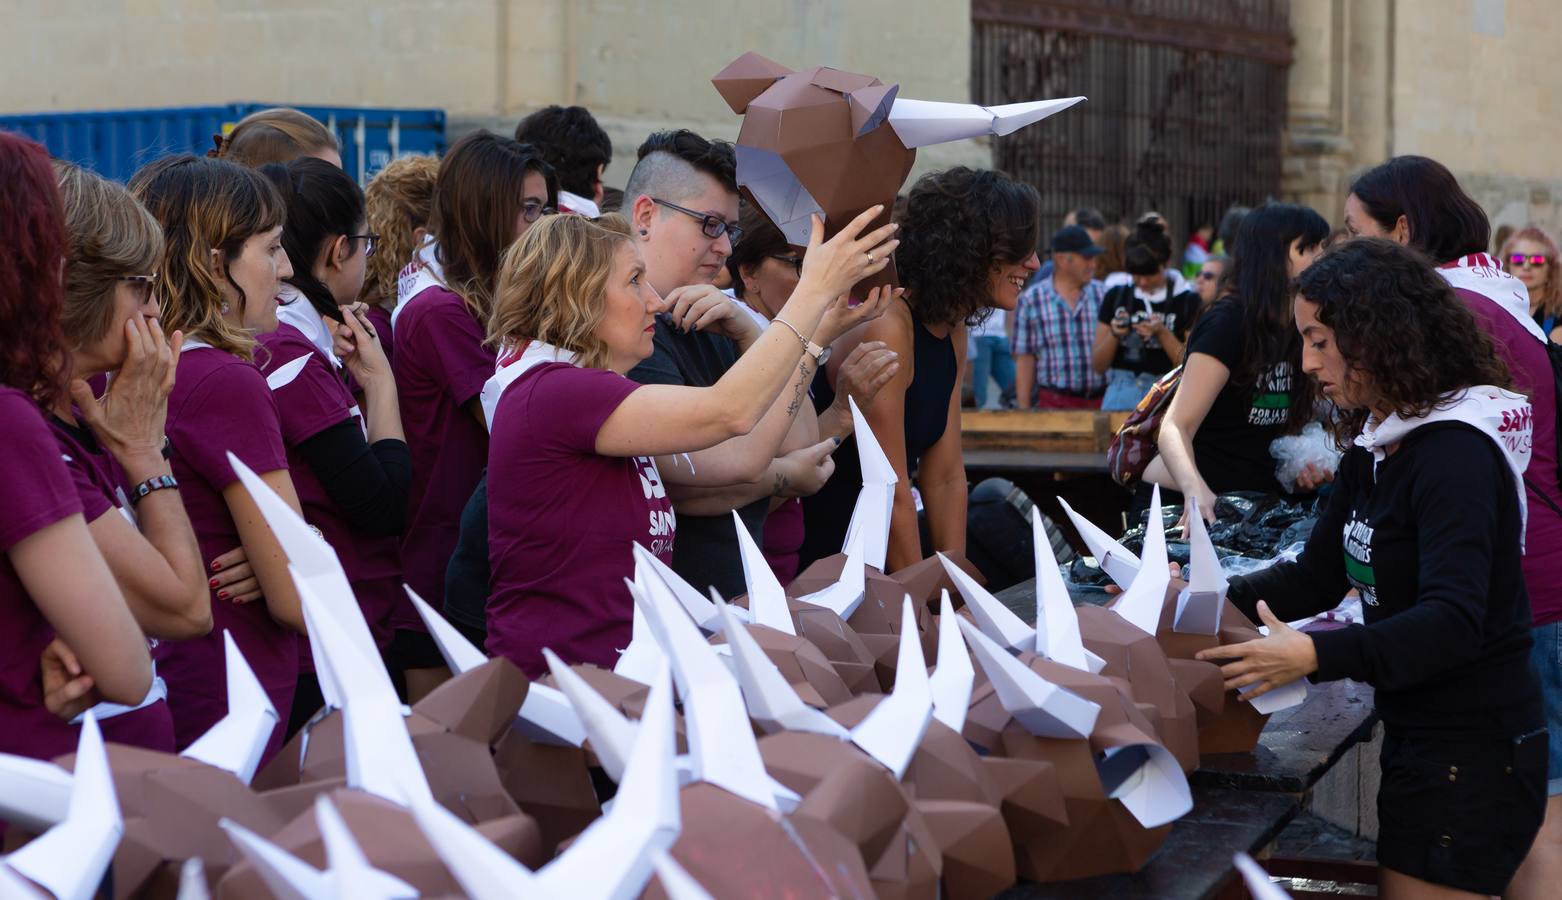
(1426, 522)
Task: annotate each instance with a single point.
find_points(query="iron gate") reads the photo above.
(1187, 102)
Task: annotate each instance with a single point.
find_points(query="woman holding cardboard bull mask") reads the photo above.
(1425, 522)
(571, 469)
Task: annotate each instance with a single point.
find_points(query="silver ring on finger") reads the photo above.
(870, 257)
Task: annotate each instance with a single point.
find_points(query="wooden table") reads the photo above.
(1046, 440)
(1241, 800)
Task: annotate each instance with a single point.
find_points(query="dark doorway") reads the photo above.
(1186, 108)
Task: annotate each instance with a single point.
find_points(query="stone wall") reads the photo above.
(639, 65)
(1472, 83)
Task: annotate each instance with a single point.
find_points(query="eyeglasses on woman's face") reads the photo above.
(1208, 276)
(369, 242)
(141, 286)
(1523, 261)
(711, 226)
(532, 210)
(796, 262)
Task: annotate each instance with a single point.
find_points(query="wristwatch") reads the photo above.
(820, 354)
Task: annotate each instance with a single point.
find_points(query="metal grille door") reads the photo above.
(1187, 102)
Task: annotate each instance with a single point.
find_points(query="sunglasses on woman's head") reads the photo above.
(1522, 261)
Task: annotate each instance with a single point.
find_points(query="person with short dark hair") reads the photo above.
(1240, 388)
(682, 204)
(1090, 219)
(577, 148)
(1054, 329)
(1426, 523)
(969, 246)
(1086, 217)
(1141, 326)
(1417, 201)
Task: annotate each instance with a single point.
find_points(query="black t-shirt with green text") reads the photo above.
(1231, 446)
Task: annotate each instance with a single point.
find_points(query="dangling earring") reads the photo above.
(224, 307)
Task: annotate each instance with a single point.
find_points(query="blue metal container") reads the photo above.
(117, 143)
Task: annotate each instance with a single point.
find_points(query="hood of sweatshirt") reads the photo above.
(1501, 415)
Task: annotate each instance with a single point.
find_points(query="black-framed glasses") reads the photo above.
(796, 262)
(710, 226)
(369, 242)
(531, 210)
(142, 285)
(1208, 276)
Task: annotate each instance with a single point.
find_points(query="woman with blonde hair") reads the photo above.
(277, 135)
(400, 202)
(572, 475)
(222, 268)
(113, 446)
(1530, 255)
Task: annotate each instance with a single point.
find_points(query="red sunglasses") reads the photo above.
(1520, 260)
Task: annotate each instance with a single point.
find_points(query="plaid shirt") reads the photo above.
(1059, 337)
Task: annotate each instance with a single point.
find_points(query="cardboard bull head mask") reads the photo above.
(835, 143)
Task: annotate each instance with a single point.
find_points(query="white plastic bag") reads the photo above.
(1293, 453)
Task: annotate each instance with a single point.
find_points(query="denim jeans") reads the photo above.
(1124, 389)
(992, 359)
(1546, 657)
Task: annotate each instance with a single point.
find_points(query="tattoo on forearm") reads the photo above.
(782, 485)
(800, 390)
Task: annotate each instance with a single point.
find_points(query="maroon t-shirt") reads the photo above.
(312, 400)
(1531, 370)
(102, 489)
(221, 403)
(441, 364)
(39, 493)
(561, 518)
(380, 318)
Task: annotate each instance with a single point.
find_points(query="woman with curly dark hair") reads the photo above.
(1240, 387)
(1417, 201)
(968, 245)
(53, 581)
(1425, 521)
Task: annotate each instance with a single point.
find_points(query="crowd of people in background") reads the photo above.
(486, 376)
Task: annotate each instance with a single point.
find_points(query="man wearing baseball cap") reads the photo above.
(1055, 328)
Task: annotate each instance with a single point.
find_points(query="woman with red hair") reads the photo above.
(1530, 255)
(53, 581)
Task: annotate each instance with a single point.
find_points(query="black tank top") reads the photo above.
(935, 375)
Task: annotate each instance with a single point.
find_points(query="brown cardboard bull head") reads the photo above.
(816, 141)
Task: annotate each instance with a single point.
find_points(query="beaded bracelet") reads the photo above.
(155, 483)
